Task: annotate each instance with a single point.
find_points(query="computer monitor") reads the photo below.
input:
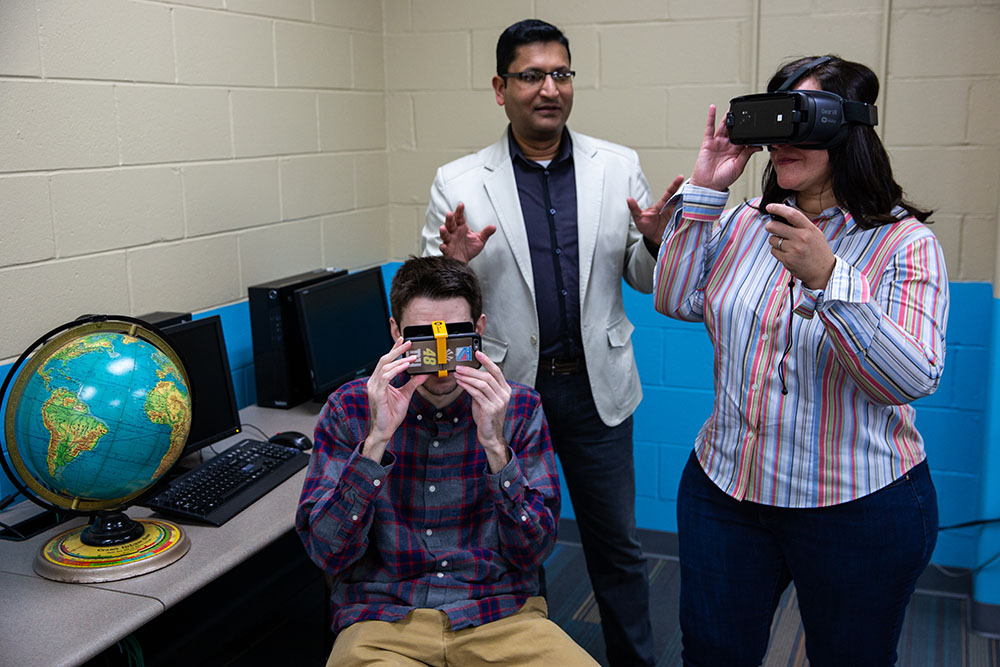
(344, 325)
(202, 348)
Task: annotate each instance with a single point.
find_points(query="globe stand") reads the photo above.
(125, 548)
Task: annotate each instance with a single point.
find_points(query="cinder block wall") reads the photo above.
(647, 71)
(166, 155)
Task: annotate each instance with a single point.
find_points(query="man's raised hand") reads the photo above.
(458, 240)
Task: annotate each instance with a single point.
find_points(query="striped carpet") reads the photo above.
(935, 632)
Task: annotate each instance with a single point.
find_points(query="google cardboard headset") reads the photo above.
(807, 118)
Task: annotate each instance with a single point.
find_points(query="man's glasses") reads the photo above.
(534, 77)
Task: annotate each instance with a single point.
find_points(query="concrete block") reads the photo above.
(26, 220)
(236, 328)
(599, 12)
(947, 229)
(93, 211)
(967, 322)
(297, 10)
(952, 438)
(911, 121)
(951, 42)
(371, 171)
(40, 297)
(671, 416)
(19, 50)
(223, 196)
(645, 455)
(411, 173)
(958, 496)
(316, 185)
(159, 124)
(405, 223)
(984, 103)
(784, 38)
(223, 48)
(351, 121)
(656, 514)
(957, 548)
(671, 464)
(687, 112)
(688, 360)
(400, 123)
(281, 250)
(311, 56)
(979, 243)
(966, 364)
(397, 16)
(963, 180)
(429, 15)
(367, 62)
(358, 238)
(274, 122)
(214, 4)
(56, 125)
(428, 61)
(661, 165)
(784, 7)
(642, 121)
(647, 343)
(115, 40)
(357, 14)
(672, 43)
(696, 9)
(185, 276)
(464, 119)
(484, 58)
(585, 54)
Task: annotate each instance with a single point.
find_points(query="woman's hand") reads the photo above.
(719, 162)
(800, 246)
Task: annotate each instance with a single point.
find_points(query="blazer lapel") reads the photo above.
(501, 188)
(589, 199)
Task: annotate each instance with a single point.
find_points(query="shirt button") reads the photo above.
(764, 337)
(377, 482)
(432, 488)
(444, 563)
(753, 387)
(564, 292)
(552, 211)
(524, 517)
(558, 251)
(429, 532)
(420, 418)
(546, 172)
(435, 444)
(506, 484)
(354, 517)
(440, 575)
(438, 415)
(454, 420)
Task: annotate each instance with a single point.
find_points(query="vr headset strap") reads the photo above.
(797, 74)
(860, 113)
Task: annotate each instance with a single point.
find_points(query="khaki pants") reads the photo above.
(524, 639)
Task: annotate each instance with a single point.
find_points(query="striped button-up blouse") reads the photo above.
(861, 349)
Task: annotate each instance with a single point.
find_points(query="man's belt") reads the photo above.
(553, 366)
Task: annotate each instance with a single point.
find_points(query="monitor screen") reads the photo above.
(345, 328)
(202, 349)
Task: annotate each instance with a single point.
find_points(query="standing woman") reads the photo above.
(826, 326)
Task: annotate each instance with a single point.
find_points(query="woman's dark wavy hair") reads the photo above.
(862, 176)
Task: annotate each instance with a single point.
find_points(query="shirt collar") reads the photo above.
(565, 148)
(831, 221)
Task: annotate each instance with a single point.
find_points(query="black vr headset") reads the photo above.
(807, 118)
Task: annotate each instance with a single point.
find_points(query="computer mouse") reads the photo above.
(291, 439)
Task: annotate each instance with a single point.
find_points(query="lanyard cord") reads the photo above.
(788, 336)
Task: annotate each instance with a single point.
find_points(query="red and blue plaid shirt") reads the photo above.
(429, 527)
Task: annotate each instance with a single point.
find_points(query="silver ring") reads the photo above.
(780, 239)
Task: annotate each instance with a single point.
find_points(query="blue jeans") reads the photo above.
(854, 566)
(600, 476)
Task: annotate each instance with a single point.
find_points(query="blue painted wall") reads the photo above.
(675, 362)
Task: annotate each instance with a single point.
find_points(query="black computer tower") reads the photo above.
(279, 359)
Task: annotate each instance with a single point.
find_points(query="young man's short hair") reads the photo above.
(434, 278)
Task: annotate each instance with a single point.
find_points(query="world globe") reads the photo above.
(98, 411)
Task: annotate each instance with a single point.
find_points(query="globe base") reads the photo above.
(111, 528)
(68, 558)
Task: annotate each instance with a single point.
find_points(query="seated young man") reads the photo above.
(433, 501)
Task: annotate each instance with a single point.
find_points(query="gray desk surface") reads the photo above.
(44, 622)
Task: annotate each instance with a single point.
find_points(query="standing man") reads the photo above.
(574, 217)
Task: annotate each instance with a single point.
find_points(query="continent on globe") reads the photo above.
(73, 429)
(166, 404)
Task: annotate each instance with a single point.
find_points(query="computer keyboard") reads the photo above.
(228, 483)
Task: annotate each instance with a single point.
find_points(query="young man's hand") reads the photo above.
(387, 405)
(490, 395)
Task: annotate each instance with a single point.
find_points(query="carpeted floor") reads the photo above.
(935, 632)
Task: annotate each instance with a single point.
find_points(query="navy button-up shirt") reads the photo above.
(548, 205)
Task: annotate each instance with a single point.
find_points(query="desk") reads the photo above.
(48, 623)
